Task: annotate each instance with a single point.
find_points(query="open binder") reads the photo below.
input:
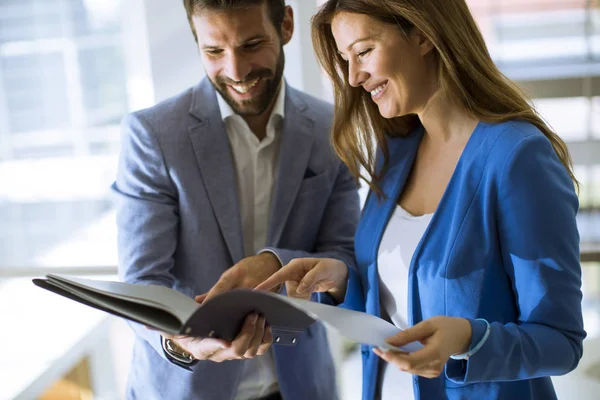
(170, 311)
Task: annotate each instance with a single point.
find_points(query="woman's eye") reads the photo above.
(364, 52)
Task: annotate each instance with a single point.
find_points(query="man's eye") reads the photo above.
(213, 52)
(252, 45)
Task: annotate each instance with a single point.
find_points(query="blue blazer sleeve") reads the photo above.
(540, 250)
(147, 215)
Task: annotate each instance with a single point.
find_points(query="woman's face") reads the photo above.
(389, 65)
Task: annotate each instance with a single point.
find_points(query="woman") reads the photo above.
(468, 239)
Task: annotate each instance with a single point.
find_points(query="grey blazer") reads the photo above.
(179, 226)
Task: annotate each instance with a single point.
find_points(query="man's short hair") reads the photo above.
(194, 7)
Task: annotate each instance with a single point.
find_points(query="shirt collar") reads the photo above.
(278, 108)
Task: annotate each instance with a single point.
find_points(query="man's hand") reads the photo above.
(247, 273)
(254, 339)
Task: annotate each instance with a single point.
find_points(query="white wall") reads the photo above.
(301, 69)
(174, 59)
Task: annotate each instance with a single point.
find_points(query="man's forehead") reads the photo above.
(237, 22)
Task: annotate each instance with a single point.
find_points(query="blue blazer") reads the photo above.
(502, 245)
(179, 226)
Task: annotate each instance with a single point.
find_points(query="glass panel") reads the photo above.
(104, 92)
(569, 117)
(35, 91)
(595, 116)
(539, 30)
(62, 99)
(94, 16)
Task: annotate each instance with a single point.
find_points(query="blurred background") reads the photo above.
(71, 69)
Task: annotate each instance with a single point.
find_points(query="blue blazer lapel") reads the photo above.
(294, 154)
(458, 196)
(377, 212)
(213, 153)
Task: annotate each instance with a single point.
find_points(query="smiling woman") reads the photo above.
(468, 240)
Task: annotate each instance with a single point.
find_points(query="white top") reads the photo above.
(255, 166)
(399, 242)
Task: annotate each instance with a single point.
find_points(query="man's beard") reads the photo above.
(257, 105)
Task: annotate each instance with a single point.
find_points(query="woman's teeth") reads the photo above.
(245, 88)
(377, 90)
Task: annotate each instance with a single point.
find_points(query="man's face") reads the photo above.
(242, 53)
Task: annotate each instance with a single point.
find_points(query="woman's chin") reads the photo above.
(387, 113)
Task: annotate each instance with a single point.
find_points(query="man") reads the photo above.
(219, 187)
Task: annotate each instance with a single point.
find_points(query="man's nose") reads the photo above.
(237, 68)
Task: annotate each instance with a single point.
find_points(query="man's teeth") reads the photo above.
(245, 88)
(377, 90)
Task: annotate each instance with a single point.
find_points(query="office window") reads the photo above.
(551, 48)
(63, 91)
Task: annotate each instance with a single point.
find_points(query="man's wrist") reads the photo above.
(176, 354)
(270, 254)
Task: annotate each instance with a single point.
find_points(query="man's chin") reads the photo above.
(247, 107)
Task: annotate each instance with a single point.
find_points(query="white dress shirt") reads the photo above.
(400, 240)
(255, 164)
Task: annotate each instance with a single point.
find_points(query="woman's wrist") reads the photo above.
(479, 335)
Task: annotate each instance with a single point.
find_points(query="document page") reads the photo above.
(358, 326)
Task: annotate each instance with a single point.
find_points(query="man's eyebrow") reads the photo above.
(255, 37)
(250, 39)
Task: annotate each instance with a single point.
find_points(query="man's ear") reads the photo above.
(287, 26)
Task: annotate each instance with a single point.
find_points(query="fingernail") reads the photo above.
(301, 289)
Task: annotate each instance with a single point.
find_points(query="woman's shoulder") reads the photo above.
(510, 139)
(510, 134)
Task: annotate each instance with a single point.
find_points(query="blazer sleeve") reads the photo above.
(539, 243)
(147, 215)
(335, 238)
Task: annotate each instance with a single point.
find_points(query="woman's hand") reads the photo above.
(441, 337)
(303, 276)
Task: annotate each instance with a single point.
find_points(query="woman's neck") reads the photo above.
(444, 121)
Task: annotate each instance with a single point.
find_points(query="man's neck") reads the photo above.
(258, 124)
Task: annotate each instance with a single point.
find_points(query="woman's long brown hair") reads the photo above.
(466, 74)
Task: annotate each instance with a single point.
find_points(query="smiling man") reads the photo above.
(217, 188)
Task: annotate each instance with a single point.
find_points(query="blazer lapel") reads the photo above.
(402, 154)
(294, 154)
(213, 153)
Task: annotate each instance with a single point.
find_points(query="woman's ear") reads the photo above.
(425, 45)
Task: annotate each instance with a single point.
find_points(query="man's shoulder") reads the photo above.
(318, 109)
(174, 113)
(172, 109)
(319, 112)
